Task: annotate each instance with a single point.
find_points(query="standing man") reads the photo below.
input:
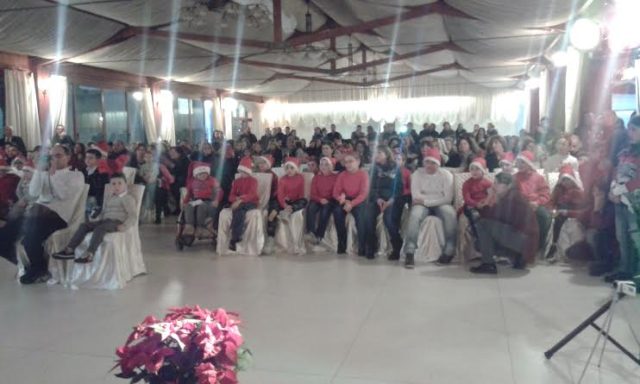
(16, 141)
(61, 137)
(333, 135)
(432, 194)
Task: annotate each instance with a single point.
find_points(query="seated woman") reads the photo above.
(290, 198)
(561, 157)
(201, 204)
(386, 187)
(243, 198)
(495, 151)
(567, 201)
(322, 203)
(350, 191)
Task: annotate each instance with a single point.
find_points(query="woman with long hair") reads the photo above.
(496, 148)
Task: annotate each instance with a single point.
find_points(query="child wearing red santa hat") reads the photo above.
(475, 193)
(201, 204)
(243, 198)
(290, 198)
(322, 203)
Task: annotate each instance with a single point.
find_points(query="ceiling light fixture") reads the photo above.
(560, 59)
(585, 34)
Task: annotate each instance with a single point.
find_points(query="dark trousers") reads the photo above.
(9, 234)
(558, 222)
(471, 214)
(99, 228)
(161, 198)
(340, 216)
(494, 236)
(318, 216)
(544, 223)
(271, 224)
(40, 222)
(392, 218)
(237, 221)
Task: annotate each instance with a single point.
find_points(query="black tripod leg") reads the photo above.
(617, 344)
(548, 354)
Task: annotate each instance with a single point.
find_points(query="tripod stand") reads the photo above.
(602, 332)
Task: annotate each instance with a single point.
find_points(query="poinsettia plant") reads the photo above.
(190, 345)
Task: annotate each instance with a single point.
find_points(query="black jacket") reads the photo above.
(386, 182)
(97, 182)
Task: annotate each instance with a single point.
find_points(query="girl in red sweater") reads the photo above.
(322, 203)
(568, 201)
(243, 198)
(350, 191)
(200, 204)
(290, 198)
(475, 193)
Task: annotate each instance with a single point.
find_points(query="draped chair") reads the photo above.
(289, 236)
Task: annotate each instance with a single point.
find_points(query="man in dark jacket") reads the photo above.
(16, 141)
(97, 179)
(509, 225)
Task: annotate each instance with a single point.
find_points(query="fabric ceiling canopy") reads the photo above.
(486, 43)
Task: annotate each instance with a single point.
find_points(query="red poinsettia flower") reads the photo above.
(206, 373)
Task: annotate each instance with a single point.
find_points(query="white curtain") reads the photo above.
(167, 124)
(218, 116)
(505, 109)
(148, 116)
(22, 106)
(543, 94)
(57, 91)
(573, 90)
(255, 114)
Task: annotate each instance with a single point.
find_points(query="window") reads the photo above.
(89, 118)
(116, 122)
(136, 122)
(189, 119)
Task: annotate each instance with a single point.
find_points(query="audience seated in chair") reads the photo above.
(57, 187)
(243, 197)
(321, 203)
(97, 178)
(535, 189)
(201, 205)
(475, 193)
(350, 192)
(432, 194)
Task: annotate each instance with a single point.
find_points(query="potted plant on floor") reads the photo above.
(190, 345)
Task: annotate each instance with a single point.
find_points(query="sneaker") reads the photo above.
(551, 255)
(394, 256)
(34, 278)
(485, 268)
(66, 254)
(232, 246)
(519, 263)
(444, 260)
(409, 263)
(610, 278)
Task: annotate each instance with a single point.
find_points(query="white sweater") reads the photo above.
(58, 192)
(434, 190)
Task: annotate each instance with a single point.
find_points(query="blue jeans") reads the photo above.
(392, 218)
(237, 221)
(446, 213)
(628, 236)
(318, 216)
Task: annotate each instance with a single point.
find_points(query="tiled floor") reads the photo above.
(321, 319)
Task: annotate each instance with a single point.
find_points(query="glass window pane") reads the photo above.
(70, 123)
(136, 122)
(197, 121)
(89, 114)
(181, 118)
(115, 115)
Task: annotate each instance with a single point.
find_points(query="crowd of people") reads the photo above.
(364, 175)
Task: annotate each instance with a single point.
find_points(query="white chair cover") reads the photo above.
(289, 236)
(129, 174)
(253, 238)
(431, 240)
(552, 179)
(117, 260)
(59, 239)
(572, 232)
(384, 244)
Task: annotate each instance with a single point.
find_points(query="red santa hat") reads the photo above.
(567, 172)
(480, 163)
(292, 161)
(508, 158)
(102, 146)
(246, 165)
(529, 158)
(330, 160)
(267, 159)
(200, 167)
(433, 155)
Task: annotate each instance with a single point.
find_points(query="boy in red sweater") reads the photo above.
(475, 193)
(534, 188)
(322, 204)
(243, 198)
(567, 200)
(200, 204)
(350, 191)
(290, 198)
(265, 164)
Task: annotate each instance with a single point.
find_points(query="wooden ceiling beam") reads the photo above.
(210, 39)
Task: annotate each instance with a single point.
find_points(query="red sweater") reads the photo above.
(245, 189)
(290, 188)
(322, 186)
(355, 186)
(571, 199)
(475, 190)
(406, 181)
(533, 186)
(202, 189)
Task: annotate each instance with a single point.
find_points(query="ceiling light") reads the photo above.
(208, 104)
(585, 34)
(560, 59)
(229, 103)
(629, 73)
(137, 95)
